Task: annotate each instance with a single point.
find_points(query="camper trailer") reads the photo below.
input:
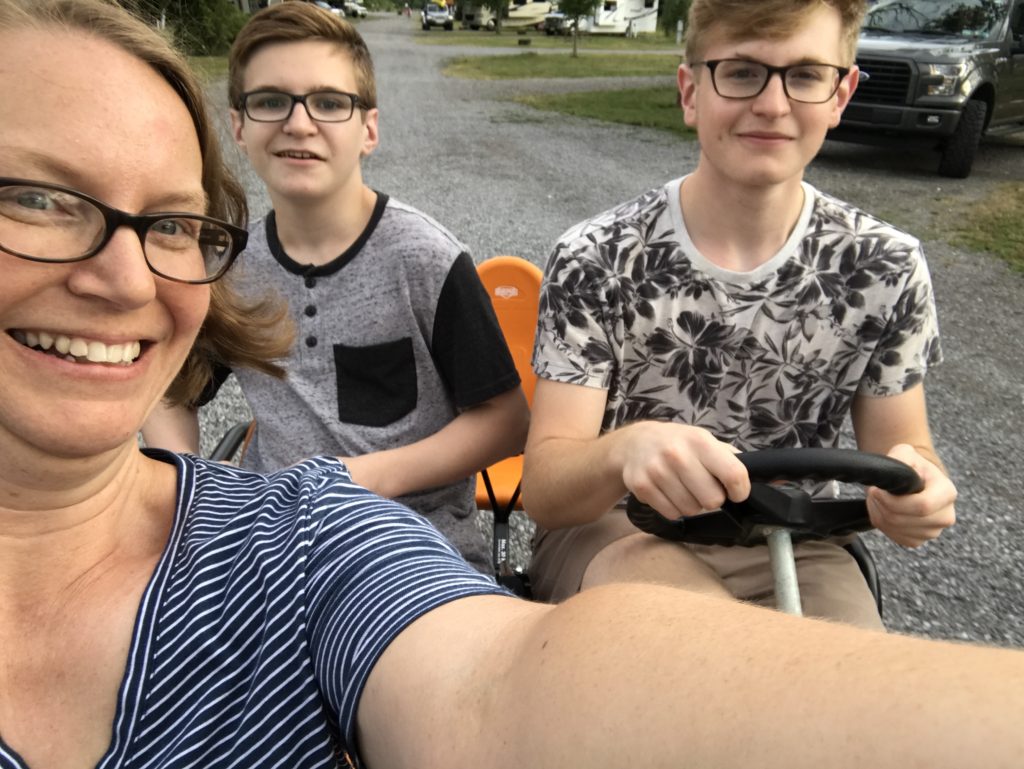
(522, 14)
(611, 17)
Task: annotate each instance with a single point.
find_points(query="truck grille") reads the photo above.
(888, 83)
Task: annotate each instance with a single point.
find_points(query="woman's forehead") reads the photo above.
(93, 108)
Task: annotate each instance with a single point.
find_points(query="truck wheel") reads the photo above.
(959, 149)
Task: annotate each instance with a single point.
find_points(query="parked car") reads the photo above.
(434, 15)
(939, 74)
(353, 9)
(328, 7)
(557, 23)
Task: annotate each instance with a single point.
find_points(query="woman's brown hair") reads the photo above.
(236, 332)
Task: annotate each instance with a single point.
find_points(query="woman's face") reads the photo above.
(83, 113)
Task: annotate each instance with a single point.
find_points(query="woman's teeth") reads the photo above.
(78, 349)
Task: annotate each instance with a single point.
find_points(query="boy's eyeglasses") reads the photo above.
(45, 222)
(745, 79)
(322, 106)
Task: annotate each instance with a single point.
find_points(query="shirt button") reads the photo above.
(310, 311)
(310, 341)
(310, 281)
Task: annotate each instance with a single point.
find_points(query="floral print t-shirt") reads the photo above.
(762, 359)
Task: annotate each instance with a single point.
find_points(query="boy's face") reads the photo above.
(300, 158)
(767, 139)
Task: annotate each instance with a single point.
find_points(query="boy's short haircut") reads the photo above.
(736, 20)
(296, 23)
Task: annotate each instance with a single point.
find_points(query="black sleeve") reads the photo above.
(467, 345)
(220, 375)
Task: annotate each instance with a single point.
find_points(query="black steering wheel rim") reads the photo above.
(745, 523)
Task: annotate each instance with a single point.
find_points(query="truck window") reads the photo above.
(962, 18)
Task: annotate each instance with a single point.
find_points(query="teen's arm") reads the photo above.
(898, 426)
(651, 676)
(476, 438)
(572, 474)
(175, 428)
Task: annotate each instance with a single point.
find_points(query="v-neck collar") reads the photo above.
(131, 693)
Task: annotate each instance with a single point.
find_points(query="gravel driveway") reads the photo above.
(509, 179)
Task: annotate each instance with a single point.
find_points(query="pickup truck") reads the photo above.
(938, 74)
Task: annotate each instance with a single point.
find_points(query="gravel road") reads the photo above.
(509, 179)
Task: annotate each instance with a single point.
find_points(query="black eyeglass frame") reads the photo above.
(712, 64)
(299, 98)
(114, 218)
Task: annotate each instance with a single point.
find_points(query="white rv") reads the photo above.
(612, 17)
(522, 14)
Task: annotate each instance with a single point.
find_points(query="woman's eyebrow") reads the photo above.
(185, 201)
(58, 171)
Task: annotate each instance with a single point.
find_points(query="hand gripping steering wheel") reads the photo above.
(778, 515)
(769, 507)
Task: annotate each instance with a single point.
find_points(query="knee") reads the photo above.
(643, 558)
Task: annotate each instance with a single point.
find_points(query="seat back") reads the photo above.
(514, 287)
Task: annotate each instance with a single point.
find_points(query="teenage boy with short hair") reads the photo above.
(400, 366)
(736, 308)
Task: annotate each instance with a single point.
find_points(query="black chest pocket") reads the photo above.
(376, 383)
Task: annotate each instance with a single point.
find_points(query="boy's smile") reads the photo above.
(769, 138)
(299, 157)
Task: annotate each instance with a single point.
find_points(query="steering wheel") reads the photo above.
(746, 523)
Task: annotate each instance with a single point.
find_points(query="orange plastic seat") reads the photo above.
(514, 287)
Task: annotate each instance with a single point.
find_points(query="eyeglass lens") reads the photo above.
(739, 79)
(58, 226)
(323, 106)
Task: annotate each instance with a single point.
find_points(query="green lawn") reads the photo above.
(994, 224)
(536, 65)
(510, 39)
(647, 107)
(209, 67)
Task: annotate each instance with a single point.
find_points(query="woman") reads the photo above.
(163, 611)
(94, 338)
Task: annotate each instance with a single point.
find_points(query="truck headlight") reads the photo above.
(942, 79)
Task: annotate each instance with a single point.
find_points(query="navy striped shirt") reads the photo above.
(273, 600)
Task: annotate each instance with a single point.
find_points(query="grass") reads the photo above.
(647, 107)
(510, 39)
(994, 224)
(209, 68)
(535, 65)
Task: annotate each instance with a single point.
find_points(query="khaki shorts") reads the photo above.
(831, 583)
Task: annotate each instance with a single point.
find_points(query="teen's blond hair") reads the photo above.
(736, 20)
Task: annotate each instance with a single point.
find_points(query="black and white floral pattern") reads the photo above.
(769, 358)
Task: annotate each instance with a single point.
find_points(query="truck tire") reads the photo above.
(959, 150)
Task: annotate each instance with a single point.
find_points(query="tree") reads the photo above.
(500, 10)
(199, 27)
(672, 12)
(576, 10)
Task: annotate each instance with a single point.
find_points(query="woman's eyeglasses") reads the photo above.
(45, 222)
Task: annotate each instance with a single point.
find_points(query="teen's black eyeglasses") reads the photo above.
(745, 79)
(45, 222)
(322, 106)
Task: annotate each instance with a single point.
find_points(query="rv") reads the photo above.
(522, 14)
(611, 17)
